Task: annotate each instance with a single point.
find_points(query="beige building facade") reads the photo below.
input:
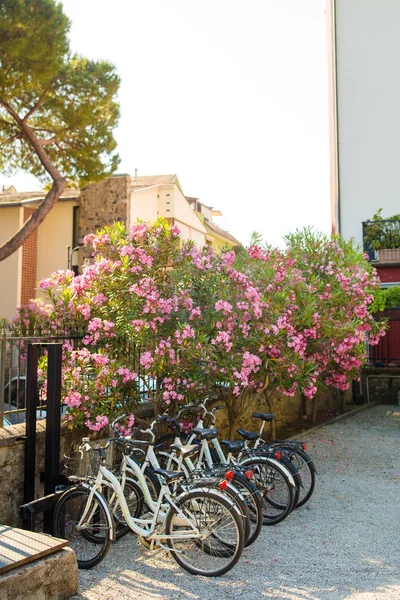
(78, 212)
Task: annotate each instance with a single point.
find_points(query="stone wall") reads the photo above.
(292, 415)
(381, 384)
(104, 203)
(12, 452)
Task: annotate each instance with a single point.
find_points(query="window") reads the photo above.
(75, 226)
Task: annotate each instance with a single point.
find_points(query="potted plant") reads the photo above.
(383, 236)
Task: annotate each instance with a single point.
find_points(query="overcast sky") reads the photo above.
(231, 95)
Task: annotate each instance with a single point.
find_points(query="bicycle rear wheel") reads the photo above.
(306, 469)
(92, 542)
(220, 528)
(235, 496)
(276, 490)
(252, 499)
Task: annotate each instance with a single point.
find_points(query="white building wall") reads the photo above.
(368, 110)
(144, 204)
(167, 201)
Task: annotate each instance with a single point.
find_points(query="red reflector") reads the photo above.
(223, 485)
(249, 474)
(304, 446)
(278, 455)
(229, 475)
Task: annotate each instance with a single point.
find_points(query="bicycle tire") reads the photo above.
(252, 499)
(304, 465)
(307, 471)
(234, 494)
(291, 467)
(89, 549)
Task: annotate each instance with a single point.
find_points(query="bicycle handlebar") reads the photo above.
(188, 407)
(114, 423)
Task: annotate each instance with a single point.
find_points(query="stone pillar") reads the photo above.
(104, 203)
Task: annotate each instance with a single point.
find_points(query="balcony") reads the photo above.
(381, 239)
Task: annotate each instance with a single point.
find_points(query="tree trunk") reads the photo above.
(231, 409)
(233, 425)
(314, 410)
(35, 220)
(51, 198)
(342, 402)
(271, 407)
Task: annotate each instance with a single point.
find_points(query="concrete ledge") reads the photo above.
(53, 577)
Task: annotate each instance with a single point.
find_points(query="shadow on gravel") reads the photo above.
(166, 582)
(343, 546)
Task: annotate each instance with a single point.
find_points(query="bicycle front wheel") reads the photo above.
(91, 542)
(217, 546)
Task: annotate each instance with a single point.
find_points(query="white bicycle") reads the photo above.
(200, 528)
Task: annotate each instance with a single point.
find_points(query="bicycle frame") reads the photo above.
(136, 524)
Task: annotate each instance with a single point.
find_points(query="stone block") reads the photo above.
(53, 577)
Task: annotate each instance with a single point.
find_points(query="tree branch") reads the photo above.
(35, 107)
(10, 139)
(51, 198)
(52, 140)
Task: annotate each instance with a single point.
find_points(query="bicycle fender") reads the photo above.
(101, 500)
(207, 490)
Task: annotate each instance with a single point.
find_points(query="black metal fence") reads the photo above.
(13, 373)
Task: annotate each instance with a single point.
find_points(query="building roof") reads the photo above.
(144, 181)
(21, 198)
(214, 229)
(7, 189)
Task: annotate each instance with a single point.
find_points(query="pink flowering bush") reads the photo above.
(173, 322)
(33, 319)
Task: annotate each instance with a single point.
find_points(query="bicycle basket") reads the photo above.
(84, 465)
(81, 465)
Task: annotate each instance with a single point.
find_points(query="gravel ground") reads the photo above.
(343, 545)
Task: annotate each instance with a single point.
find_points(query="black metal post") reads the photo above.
(52, 449)
(31, 404)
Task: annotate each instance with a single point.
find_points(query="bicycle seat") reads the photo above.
(264, 416)
(248, 435)
(205, 434)
(233, 445)
(169, 476)
(185, 451)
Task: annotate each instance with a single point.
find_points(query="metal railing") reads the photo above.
(13, 373)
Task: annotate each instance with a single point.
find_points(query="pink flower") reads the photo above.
(100, 422)
(146, 359)
(224, 306)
